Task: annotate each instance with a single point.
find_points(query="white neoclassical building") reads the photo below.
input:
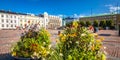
(8, 21)
(11, 20)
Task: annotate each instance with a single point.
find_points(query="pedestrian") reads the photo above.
(91, 28)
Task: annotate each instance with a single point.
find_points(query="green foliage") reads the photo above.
(88, 23)
(82, 23)
(102, 24)
(95, 23)
(33, 46)
(109, 23)
(78, 43)
(69, 24)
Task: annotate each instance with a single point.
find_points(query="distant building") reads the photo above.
(11, 20)
(114, 17)
(54, 22)
(69, 19)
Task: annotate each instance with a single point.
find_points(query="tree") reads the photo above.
(109, 23)
(88, 23)
(102, 24)
(95, 23)
(69, 24)
(82, 23)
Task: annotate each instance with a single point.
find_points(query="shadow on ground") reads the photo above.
(6, 56)
(104, 34)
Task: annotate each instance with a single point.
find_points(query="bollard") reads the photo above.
(59, 32)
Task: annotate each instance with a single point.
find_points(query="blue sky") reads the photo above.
(61, 7)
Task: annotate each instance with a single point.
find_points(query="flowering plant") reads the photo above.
(34, 44)
(79, 43)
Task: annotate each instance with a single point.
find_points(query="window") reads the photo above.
(15, 25)
(14, 16)
(2, 20)
(7, 21)
(11, 21)
(7, 25)
(2, 25)
(11, 25)
(2, 15)
(15, 21)
(11, 16)
(7, 16)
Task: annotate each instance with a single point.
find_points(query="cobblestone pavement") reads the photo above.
(7, 39)
(111, 42)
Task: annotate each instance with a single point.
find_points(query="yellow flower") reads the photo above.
(57, 40)
(83, 34)
(60, 35)
(13, 53)
(96, 35)
(74, 35)
(92, 35)
(63, 39)
(75, 24)
(98, 40)
(102, 38)
(93, 48)
(100, 46)
(48, 34)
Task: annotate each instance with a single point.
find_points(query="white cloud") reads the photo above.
(81, 15)
(78, 16)
(74, 15)
(60, 15)
(113, 9)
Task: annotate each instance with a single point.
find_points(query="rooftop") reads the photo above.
(98, 15)
(9, 12)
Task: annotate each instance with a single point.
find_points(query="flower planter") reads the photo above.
(22, 58)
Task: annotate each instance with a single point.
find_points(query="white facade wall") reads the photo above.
(8, 21)
(11, 21)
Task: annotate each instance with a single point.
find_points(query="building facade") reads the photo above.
(11, 20)
(8, 21)
(114, 17)
(54, 22)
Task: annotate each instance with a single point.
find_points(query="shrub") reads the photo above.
(88, 23)
(78, 43)
(69, 24)
(34, 46)
(95, 23)
(102, 24)
(82, 23)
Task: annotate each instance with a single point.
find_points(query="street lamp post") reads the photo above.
(119, 29)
